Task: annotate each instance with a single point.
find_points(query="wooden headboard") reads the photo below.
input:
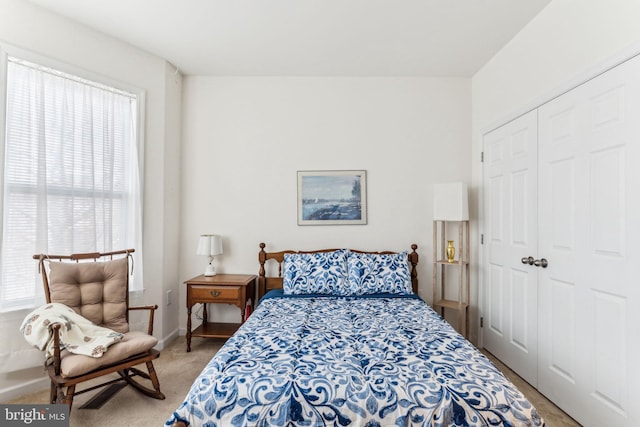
(265, 283)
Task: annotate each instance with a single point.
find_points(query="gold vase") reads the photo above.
(451, 251)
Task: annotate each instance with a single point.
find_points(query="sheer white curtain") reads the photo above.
(70, 180)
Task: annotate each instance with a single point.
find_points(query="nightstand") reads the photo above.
(233, 289)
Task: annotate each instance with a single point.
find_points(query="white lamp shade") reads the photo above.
(209, 245)
(450, 202)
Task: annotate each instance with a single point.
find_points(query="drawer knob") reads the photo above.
(215, 293)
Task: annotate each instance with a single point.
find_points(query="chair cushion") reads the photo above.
(95, 290)
(134, 342)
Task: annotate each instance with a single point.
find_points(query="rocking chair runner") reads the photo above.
(99, 291)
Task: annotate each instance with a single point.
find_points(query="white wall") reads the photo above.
(32, 28)
(244, 139)
(565, 40)
(563, 45)
(165, 256)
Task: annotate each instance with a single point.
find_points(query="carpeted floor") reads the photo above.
(176, 371)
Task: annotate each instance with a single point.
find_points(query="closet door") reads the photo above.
(510, 235)
(589, 215)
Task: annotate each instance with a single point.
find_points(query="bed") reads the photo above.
(341, 338)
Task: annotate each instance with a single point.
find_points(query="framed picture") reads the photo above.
(332, 197)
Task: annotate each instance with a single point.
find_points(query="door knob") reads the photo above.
(541, 263)
(528, 260)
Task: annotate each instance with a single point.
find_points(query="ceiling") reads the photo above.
(310, 37)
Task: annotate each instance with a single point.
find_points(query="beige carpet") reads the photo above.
(176, 371)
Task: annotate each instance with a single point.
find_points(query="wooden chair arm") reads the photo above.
(152, 309)
(55, 329)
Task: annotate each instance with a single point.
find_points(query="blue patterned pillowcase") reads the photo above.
(379, 273)
(316, 273)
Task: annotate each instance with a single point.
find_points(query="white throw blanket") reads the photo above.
(77, 334)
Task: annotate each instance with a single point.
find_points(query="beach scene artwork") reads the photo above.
(331, 197)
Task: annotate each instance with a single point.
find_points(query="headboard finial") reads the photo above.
(413, 260)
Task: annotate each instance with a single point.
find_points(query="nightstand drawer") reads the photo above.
(206, 293)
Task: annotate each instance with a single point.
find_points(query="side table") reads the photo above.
(233, 289)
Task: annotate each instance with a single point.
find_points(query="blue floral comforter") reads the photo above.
(351, 361)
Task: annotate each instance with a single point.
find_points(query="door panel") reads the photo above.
(610, 362)
(561, 339)
(510, 183)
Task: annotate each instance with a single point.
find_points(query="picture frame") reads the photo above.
(332, 197)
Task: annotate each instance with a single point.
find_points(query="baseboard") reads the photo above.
(24, 388)
(164, 342)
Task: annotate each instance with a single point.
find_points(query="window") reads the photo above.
(70, 177)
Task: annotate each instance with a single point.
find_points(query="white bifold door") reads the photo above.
(562, 248)
(510, 235)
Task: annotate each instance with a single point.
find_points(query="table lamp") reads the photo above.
(210, 245)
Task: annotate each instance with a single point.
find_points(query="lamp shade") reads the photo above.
(209, 245)
(450, 202)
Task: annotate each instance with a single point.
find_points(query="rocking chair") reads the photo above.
(96, 286)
